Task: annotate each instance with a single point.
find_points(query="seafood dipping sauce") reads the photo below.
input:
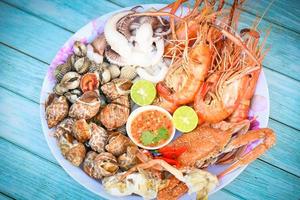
(150, 127)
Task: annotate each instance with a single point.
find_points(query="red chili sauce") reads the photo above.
(157, 125)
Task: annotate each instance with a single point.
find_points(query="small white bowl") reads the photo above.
(136, 112)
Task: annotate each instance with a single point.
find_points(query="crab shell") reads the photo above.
(117, 143)
(81, 130)
(56, 109)
(116, 88)
(98, 139)
(128, 159)
(64, 127)
(86, 106)
(71, 149)
(105, 164)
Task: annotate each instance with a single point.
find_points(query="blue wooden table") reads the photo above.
(32, 31)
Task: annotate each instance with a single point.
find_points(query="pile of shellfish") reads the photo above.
(89, 108)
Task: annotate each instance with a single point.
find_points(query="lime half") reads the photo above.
(185, 119)
(143, 92)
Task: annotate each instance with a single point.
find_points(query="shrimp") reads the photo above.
(196, 66)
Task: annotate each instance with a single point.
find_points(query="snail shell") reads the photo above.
(82, 65)
(79, 49)
(105, 164)
(114, 71)
(64, 127)
(71, 149)
(128, 72)
(81, 130)
(117, 143)
(73, 95)
(128, 159)
(56, 110)
(98, 139)
(113, 116)
(116, 88)
(88, 164)
(86, 106)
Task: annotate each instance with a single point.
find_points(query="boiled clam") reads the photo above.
(79, 49)
(73, 95)
(82, 65)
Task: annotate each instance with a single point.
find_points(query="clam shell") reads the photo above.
(105, 76)
(105, 164)
(79, 49)
(82, 65)
(93, 56)
(73, 95)
(81, 130)
(86, 106)
(98, 139)
(114, 71)
(64, 127)
(70, 81)
(62, 69)
(128, 72)
(56, 110)
(117, 143)
(59, 90)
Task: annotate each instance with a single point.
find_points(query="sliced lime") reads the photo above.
(185, 119)
(143, 92)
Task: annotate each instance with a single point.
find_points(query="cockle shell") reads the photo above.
(89, 82)
(64, 127)
(98, 139)
(82, 65)
(128, 159)
(92, 55)
(100, 44)
(113, 116)
(86, 106)
(56, 110)
(116, 88)
(79, 49)
(105, 76)
(105, 164)
(71, 149)
(62, 69)
(114, 71)
(71, 80)
(128, 72)
(117, 143)
(81, 130)
(73, 95)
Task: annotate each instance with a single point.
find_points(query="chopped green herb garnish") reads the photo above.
(148, 137)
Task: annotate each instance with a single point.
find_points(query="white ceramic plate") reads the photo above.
(259, 108)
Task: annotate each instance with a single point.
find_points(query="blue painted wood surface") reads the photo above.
(32, 31)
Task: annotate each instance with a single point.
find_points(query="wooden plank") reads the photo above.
(30, 34)
(21, 74)
(283, 56)
(62, 13)
(26, 176)
(20, 124)
(39, 179)
(4, 197)
(284, 13)
(260, 181)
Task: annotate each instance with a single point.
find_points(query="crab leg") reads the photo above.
(268, 137)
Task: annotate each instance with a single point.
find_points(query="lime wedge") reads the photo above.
(143, 92)
(185, 119)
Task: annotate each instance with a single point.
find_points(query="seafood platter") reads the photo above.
(159, 101)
